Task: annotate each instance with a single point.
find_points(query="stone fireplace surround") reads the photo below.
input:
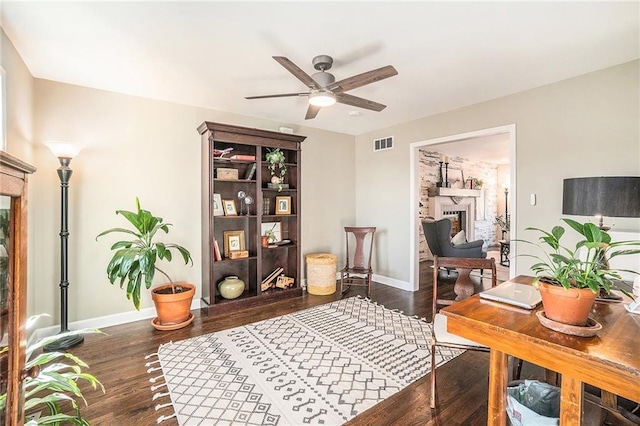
(457, 205)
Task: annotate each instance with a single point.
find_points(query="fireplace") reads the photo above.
(457, 205)
(458, 221)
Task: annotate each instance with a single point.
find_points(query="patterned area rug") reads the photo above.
(323, 365)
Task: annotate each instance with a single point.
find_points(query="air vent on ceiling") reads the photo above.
(383, 143)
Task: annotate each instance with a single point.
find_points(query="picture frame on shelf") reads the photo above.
(233, 241)
(229, 207)
(272, 230)
(283, 205)
(217, 205)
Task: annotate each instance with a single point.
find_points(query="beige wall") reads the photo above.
(19, 128)
(150, 149)
(584, 126)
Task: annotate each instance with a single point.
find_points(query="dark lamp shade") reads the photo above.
(612, 196)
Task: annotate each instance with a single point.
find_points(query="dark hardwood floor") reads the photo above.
(118, 361)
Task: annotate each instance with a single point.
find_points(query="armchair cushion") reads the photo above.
(459, 238)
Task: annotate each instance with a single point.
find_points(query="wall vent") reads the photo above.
(383, 143)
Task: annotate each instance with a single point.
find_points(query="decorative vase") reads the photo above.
(570, 306)
(265, 241)
(173, 308)
(231, 287)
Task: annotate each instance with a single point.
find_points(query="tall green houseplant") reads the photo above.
(134, 261)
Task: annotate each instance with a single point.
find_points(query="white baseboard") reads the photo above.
(108, 320)
(392, 282)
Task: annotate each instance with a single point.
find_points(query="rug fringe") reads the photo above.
(161, 406)
(159, 395)
(154, 379)
(156, 387)
(149, 364)
(163, 418)
(150, 355)
(151, 370)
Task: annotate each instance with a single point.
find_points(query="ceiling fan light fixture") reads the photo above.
(322, 99)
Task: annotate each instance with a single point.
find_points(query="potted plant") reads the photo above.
(52, 380)
(134, 263)
(570, 279)
(277, 167)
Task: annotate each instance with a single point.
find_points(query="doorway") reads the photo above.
(414, 197)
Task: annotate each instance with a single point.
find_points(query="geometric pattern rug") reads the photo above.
(323, 365)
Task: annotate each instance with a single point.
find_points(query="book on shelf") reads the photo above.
(251, 171)
(216, 251)
(243, 157)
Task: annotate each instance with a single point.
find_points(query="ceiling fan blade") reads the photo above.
(355, 101)
(297, 72)
(363, 79)
(312, 111)
(282, 95)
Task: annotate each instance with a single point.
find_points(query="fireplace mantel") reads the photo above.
(457, 192)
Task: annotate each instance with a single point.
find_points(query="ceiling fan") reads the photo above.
(324, 90)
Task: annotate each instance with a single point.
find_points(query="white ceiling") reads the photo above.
(213, 54)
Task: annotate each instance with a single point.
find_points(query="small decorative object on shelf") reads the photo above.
(241, 195)
(265, 206)
(224, 173)
(276, 160)
(231, 288)
(283, 205)
(229, 207)
(284, 282)
(248, 200)
(238, 254)
(267, 282)
(219, 153)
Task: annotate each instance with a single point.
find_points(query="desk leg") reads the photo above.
(571, 401)
(498, 375)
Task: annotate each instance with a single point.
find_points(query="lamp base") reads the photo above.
(64, 343)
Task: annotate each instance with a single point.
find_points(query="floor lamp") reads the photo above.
(613, 196)
(65, 152)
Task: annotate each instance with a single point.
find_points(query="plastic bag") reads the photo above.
(531, 402)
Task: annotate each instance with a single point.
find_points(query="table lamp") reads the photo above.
(613, 196)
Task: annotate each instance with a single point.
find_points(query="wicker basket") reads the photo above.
(321, 273)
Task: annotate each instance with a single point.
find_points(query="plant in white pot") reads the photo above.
(569, 279)
(134, 264)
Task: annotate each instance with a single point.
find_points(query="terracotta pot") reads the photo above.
(173, 308)
(566, 306)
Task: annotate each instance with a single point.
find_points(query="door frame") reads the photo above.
(414, 193)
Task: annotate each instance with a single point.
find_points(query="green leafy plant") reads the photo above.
(54, 381)
(134, 261)
(277, 165)
(582, 266)
(504, 224)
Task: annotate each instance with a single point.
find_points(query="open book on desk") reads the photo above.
(522, 295)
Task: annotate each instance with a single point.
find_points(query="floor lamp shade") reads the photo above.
(612, 196)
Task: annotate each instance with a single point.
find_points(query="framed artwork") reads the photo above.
(233, 241)
(283, 205)
(229, 207)
(272, 230)
(217, 205)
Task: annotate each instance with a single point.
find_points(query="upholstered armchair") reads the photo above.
(438, 234)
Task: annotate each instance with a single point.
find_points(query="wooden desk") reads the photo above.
(609, 361)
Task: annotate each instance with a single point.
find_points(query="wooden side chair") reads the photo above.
(439, 334)
(357, 271)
